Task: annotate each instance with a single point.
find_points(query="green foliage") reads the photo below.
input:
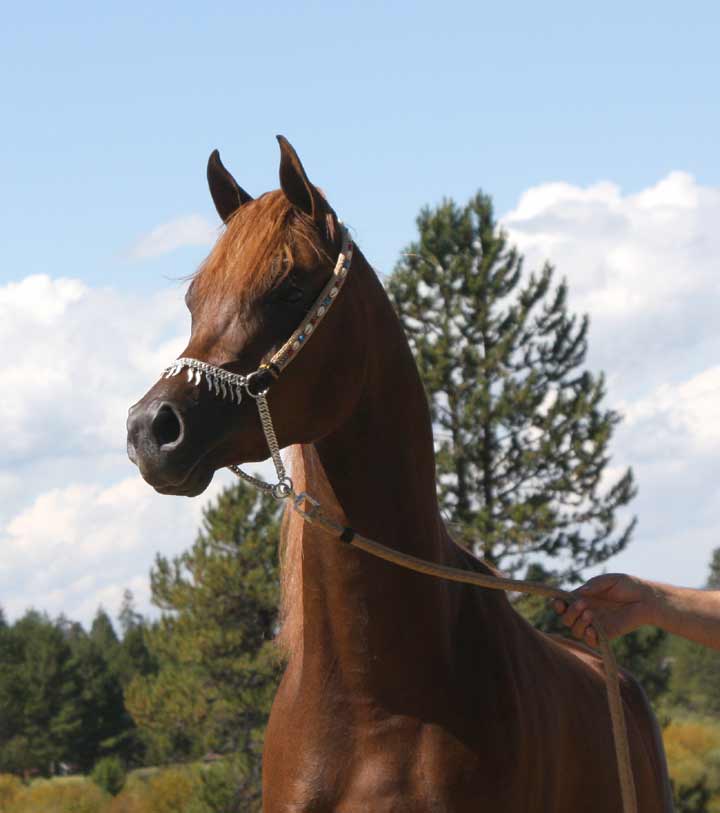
(693, 752)
(109, 774)
(226, 786)
(171, 791)
(695, 679)
(643, 653)
(61, 697)
(692, 798)
(74, 795)
(522, 435)
(40, 711)
(218, 669)
(713, 581)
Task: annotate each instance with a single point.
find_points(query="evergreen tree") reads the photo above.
(693, 798)
(218, 670)
(128, 617)
(695, 681)
(103, 635)
(522, 435)
(60, 700)
(133, 656)
(98, 693)
(713, 581)
(38, 679)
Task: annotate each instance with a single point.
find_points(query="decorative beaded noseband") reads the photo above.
(225, 384)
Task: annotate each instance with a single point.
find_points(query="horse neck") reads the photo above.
(377, 474)
(381, 463)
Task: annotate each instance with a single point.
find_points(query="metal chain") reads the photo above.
(270, 436)
(284, 486)
(254, 481)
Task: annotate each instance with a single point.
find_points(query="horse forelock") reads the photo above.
(258, 249)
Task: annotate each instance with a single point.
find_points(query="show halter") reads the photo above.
(225, 384)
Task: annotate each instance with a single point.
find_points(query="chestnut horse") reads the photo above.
(401, 692)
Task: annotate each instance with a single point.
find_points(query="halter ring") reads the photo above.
(282, 489)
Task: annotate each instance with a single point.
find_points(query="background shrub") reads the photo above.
(109, 774)
(10, 787)
(75, 795)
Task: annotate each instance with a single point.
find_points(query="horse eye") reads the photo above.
(288, 293)
(292, 294)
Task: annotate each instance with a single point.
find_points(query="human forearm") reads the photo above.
(693, 614)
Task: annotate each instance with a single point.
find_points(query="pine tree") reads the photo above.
(133, 657)
(39, 680)
(713, 580)
(128, 617)
(522, 435)
(214, 643)
(695, 681)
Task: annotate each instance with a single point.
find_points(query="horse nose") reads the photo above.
(154, 429)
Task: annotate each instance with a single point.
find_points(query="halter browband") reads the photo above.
(226, 384)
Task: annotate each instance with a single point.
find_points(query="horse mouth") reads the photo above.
(192, 484)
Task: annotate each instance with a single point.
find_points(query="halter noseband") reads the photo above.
(225, 384)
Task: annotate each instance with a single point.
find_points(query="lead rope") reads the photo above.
(283, 490)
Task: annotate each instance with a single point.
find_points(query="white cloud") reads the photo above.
(81, 545)
(74, 359)
(189, 230)
(645, 267)
(682, 417)
(78, 525)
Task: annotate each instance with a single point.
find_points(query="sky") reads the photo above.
(594, 129)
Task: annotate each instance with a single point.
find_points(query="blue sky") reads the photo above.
(111, 114)
(575, 119)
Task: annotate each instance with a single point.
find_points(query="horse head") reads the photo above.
(259, 285)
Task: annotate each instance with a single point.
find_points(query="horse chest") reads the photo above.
(394, 765)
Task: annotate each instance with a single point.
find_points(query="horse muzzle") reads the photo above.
(157, 442)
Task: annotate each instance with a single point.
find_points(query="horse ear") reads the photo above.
(227, 196)
(296, 185)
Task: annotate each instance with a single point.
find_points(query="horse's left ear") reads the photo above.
(296, 185)
(227, 195)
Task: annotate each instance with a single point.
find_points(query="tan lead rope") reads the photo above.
(612, 680)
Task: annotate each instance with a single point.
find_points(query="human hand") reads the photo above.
(618, 602)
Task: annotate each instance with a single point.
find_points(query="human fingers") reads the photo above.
(581, 624)
(559, 606)
(591, 637)
(573, 612)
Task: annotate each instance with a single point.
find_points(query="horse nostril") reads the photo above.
(167, 427)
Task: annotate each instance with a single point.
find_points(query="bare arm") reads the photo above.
(623, 603)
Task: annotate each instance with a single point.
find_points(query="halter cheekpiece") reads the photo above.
(225, 384)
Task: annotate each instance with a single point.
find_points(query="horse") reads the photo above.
(400, 692)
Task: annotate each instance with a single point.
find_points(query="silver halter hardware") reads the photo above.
(225, 384)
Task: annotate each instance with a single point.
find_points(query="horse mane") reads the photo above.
(308, 473)
(262, 239)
